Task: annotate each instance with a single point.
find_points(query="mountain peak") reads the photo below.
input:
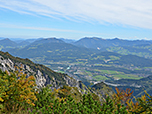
(52, 40)
(116, 39)
(48, 40)
(7, 42)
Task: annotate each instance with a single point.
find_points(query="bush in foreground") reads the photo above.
(18, 94)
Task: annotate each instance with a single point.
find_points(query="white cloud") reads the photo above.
(4, 25)
(137, 13)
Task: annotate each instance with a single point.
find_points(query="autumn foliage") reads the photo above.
(18, 94)
(16, 90)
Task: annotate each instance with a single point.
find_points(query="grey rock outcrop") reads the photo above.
(6, 64)
(41, 78)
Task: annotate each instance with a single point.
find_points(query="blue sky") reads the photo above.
(75, 19)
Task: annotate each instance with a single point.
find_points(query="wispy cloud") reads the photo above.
(43, 29)
(137, 13)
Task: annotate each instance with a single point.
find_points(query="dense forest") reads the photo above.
(19, 95)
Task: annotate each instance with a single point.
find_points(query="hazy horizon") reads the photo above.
(15, 39)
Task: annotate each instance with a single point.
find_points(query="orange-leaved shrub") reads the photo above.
(16, 91)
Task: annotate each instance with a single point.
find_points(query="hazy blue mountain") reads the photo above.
(51, 48)
(19, 40)
(22, 43)
(46, 40)
(91, 42)
(7, 42)
(98, 43)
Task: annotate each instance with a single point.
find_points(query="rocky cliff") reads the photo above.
(43, 75)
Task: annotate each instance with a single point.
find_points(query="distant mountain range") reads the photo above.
(67, 47)
(142, 48)
(89, 42)
(99, 43)
(53, 49)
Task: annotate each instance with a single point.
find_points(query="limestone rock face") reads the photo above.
(6, 64)
(27, 67)
(42, 79)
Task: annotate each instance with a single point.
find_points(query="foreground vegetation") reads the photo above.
(19, 95)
